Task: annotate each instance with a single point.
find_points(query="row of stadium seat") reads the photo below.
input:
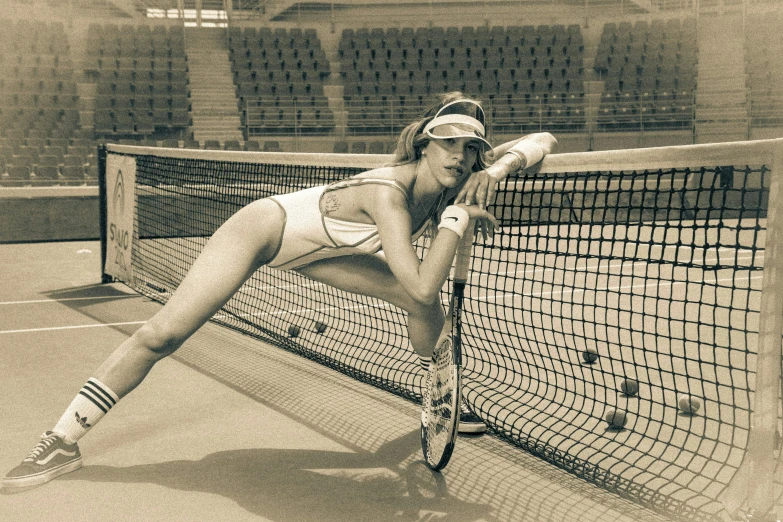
(33, 38)
(46, 160)
(362, 147)
(268, 38)
(468, 36)
(110, 40)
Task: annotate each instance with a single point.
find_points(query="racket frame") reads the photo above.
(452, 334)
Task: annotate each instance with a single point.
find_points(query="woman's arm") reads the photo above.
(422, 280)
(509, 157)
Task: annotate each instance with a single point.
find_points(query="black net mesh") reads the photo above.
(594, 278)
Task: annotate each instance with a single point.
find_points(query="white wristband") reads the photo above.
(455, 219)
(529, 150)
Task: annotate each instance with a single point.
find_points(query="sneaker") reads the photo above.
(51, 458)
(469, 422)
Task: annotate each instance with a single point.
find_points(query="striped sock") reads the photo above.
(424, 362)
(89, 406)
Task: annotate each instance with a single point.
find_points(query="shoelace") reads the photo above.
(40, 448)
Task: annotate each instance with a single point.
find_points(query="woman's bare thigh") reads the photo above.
(245, 242)
(363, 274)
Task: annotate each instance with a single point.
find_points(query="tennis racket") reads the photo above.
(443, 387)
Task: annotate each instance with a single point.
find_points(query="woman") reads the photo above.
(328, 234)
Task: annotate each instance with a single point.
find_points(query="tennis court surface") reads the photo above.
(292, 441)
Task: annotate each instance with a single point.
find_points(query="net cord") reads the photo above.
(628, 159)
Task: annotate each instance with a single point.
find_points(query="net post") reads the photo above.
(751, 490)
(102, 218)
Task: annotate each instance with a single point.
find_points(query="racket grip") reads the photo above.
(464, 249)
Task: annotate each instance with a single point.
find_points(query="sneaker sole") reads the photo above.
(43, 477)
(472, 428)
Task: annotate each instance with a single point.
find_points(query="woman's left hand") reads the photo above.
(479, 189)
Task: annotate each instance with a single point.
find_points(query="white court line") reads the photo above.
(74, 327)
(305, 311)
(572, 291)
(37, 301)
(612, 264)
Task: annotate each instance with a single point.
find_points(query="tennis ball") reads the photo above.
(629, 387)
(590, 355)
(293, 330)
(689, 404)
(320, 327)
(616, 418)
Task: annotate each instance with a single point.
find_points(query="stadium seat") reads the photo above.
(376, 147)
(18, 174)
(46, 174)
(72, 173)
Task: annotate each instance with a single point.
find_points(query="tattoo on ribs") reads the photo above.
(331, 203)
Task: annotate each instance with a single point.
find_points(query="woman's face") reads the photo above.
(451, 160)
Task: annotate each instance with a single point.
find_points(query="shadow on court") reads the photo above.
(300, 485)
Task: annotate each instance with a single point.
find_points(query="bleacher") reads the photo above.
(40, 132)
(280, 75)
(649, 70)
(142, 86)
(523, 74)
(763, 49)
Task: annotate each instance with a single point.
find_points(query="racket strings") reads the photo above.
(440, 397)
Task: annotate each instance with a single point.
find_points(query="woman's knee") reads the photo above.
(158, 340)
(431, 312)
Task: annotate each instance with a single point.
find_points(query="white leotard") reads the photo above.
(310, 236)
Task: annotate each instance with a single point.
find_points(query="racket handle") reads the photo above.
(464, 249)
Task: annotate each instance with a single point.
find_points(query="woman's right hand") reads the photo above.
(485, 221)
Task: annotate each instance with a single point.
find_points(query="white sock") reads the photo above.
(89, 406)
(424, 362)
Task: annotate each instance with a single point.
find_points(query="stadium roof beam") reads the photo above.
(128, 7)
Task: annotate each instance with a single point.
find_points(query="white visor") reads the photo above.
(453, 122)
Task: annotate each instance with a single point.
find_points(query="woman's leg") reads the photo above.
(234, 252)
(371, 276)
(237, 249)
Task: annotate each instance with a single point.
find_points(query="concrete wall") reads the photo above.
(48, 214)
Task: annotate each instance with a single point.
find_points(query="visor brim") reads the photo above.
(441, 132)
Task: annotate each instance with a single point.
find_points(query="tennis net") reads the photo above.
(644, 265)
